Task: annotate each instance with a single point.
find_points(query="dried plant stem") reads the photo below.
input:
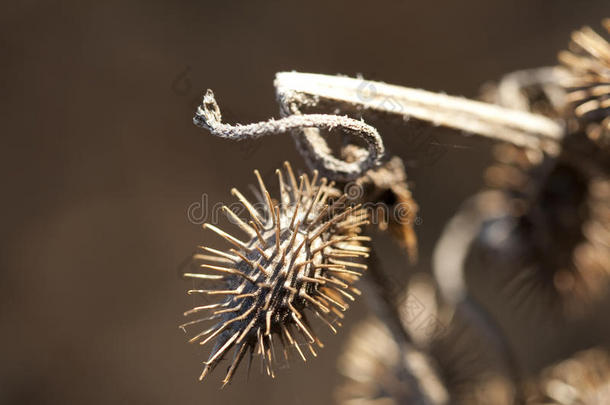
(448, 265)
(517, 127)
(208, 116)
(377, 287)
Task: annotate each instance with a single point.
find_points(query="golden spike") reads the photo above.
(297, 205)
(251, 263)
(231, 239)
(284, 197)
(298, 249)
(303, 328)
(344, 253)
(268, 315)
(293, 180)
(251, 210)
(329, 243)
(237, 357)
(211, 258)
(265, 193)
(349, 264)
(204, 307)
(344, 271)
(220, 351)
(271, 209)
(330, 325)
(342, 306)
(204, 276)
(227, 323)
(307, 183)
(243, 257)
(329, 266)
(290, 288)
(205, 332)
(312, 203)
(317, 219)
(261, 345)
(312, 350)
(335, 281)
(238, 221)
(230, 271)
(352, 247)
(293, 309)
(293, 237)
(258, 234)
(184, 325)
(224, 311)
(294, 343)
(345, 293)
(262, 252)
(339, 314)
(329, 223)
(205, 371)
(355, 225)
(220, 253)
(213, 292)
(278, 230)
(261, 183)
(247, 329)
(327, 189)
(246, 295)
(313, 280)
(355, 290)
(314, 178)
(313, 301)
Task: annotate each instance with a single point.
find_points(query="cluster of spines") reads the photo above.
(300, 255)
(588, 60)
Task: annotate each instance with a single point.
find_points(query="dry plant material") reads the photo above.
(545, 223)
(455, 367)
(300, 258)
(379, 370)
(208, 116)
(473, 117)
(588, 60)
(583, 379)
(556, 252)
(544, 220)
(393, 207)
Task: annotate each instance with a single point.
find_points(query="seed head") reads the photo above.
(588, 60)
(299, 260)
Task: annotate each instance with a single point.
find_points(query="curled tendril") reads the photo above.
(311, 144)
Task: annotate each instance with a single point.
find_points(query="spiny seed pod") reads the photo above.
(300, 259)
(588, 60)
(583, 379)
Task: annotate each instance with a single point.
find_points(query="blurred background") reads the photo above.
(101, 161)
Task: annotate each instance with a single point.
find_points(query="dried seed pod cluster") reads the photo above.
(555, 204)
(588, 60)
(302, 255)
(583, 379)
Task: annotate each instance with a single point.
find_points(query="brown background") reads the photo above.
(101, 160)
